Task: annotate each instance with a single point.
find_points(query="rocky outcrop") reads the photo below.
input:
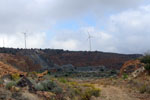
(138, 72)
(25, 82)
(131, 66)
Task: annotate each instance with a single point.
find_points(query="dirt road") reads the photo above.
(115, 93)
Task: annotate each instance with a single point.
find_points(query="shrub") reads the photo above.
(10, 85)
(147, 66)
(125, 76)
(77, 91)
(89, 93)
(32, 74)
(145, 59)
(47, 77)
(48, 85)
(95, 92)
(142, 89)
(57, 90)
(39, 87)
(62, 80)
(15, 76)
(73, 84)
(88, 85)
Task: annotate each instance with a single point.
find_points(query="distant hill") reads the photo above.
(41, 59)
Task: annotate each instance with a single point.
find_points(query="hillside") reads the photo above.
(7, 69)
(88, 83)
(41, 59)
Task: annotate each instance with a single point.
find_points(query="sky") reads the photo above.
(121, 26)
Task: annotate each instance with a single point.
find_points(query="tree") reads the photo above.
(146, 60)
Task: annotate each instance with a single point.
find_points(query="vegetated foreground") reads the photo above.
(129, 82)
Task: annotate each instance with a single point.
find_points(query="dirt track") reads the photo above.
(115, 93)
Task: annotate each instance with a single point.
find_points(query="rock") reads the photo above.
(138, 72)
(24, 82)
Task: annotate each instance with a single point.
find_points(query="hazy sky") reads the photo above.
(121, 26)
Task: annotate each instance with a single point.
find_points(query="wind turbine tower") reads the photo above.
(3, 43)
(90, 44)
(25, 36)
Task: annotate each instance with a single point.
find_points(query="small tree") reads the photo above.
(147, 67)
(146, 60)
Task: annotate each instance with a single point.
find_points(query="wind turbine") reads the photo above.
(25, 36)
(89, 38)
(3, 43)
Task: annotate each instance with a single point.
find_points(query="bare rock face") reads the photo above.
(138, 72)
(131, 66)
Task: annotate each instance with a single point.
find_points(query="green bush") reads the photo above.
(47, 77)
(89, 93)
(62, 80)
(147, 66)
(39, 87)
(77, 91)
(15, 77)
(125, 76)
(96, 92)
(10, 85)
(57, 90)
(145, 59)
(46, 85)
(88, 85)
